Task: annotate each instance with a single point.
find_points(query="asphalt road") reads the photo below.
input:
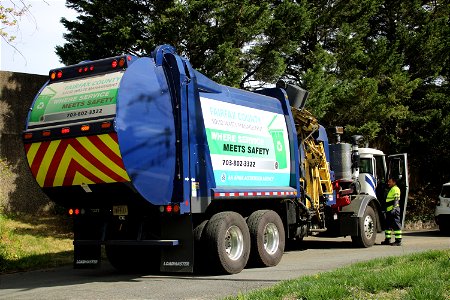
(316, 255)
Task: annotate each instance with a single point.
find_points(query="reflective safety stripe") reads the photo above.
(398, 234)
(387, 234)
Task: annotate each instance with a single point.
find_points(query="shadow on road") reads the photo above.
(431, 232)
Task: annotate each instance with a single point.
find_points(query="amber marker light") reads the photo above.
(53, 76)
(85, 128)
(106, 125)
(46, 133)
(28, 135)
(121, 62)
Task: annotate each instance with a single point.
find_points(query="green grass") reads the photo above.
(418, 276)
(30, 242)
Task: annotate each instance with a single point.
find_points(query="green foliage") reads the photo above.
(376, 67)
(421, 276)
(30, 242)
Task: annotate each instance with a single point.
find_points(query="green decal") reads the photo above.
(246, 144)
(75, 99)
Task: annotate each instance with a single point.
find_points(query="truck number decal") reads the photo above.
(239, 163)
(84, 113)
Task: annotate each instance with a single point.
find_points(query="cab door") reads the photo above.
(398, 169)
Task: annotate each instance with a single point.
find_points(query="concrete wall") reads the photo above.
(19, 191)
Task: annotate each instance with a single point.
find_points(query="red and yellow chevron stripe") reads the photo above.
(75, 161)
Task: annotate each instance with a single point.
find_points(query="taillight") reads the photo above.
(28, 135)
(114, 64)
(59, 74)
(170, 209)
(46, 133)
(65, 130)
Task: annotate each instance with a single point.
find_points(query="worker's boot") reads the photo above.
(386, 242)
(398, 242)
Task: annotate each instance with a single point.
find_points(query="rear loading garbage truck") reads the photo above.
(168, 170)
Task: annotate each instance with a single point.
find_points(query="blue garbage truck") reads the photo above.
(167, 170)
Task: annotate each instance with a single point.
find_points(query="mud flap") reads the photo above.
(86, 256)
(179, 258)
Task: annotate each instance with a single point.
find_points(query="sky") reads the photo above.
(36, 38)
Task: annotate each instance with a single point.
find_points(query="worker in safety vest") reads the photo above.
(393, 220)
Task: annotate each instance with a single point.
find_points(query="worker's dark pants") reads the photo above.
(393, 224)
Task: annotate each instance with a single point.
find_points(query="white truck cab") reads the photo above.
(372, 170)
(442, 211)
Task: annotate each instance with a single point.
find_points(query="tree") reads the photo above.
(9, 17)
(377, 67)
(234, 42)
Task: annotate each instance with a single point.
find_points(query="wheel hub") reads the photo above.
(234, 242)
(271, 238)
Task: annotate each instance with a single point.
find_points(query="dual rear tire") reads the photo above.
(230, 242)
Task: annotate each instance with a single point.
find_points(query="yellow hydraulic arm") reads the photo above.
(317, 178)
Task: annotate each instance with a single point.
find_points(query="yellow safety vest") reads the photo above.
(393, 198)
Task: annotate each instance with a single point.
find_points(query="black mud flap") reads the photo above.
(178, 258)
(86, 256)
(348, 224)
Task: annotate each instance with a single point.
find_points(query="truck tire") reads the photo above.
(367, 229)
(267, 238)
(133, 258)
(227, 241)
(199, 248)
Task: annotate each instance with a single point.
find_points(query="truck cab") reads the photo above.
(372, 171)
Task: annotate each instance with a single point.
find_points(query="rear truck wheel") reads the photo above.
(199, 247)
(227, 242)
(134, 258)
(267, 238)
(367, 229)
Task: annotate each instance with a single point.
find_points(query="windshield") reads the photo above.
(445, 193)
(365, 165)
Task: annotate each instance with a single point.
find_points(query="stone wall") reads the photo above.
(19, 191)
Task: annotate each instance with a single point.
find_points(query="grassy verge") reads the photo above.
(417, 276)
(30, 242)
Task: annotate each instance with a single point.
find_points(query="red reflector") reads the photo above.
(53, 76)
(77, 211)
(28, 135)
(59, 74)
(85, 128)
(106, 125)
(169, 208)
(65, 130)
(70, 211)
(114, 64)
(46, 133)
(121, 62)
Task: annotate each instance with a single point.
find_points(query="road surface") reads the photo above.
(316, 255)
